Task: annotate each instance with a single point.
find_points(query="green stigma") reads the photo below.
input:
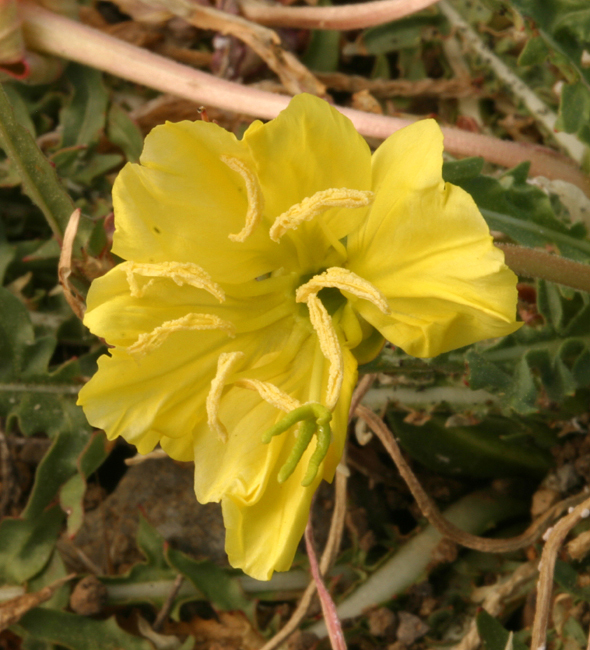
(316, 419)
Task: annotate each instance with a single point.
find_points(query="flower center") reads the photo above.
(349, 282)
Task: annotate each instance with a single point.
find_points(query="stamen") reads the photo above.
(344, 280)
(180, 272)
(329, 345)
(254, 196)
(149, 341)
(225, 366)
(314, 417)
(314, 205)
(271, 394)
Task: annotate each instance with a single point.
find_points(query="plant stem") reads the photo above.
(534, 263)
(57, 35)
(540, 111)
(345, 17)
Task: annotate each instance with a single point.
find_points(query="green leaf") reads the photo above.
(534, 52)
(496, 447)
(39, 400)
(26, 545)
(123, 132)
(493, 634)
(155, 569)
(567, 578)
(392, 37)
(83, 118)
(523, 211)
(38, 177)
(323, 51)
(78, 632)
(219, 588)
(59, 464)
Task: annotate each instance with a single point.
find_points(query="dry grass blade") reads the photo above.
(496, 599)
(294, 76)
(385, 88)
(12, 610)
(64, 269)
(555, 537)
(44, 32)
(432, 513)
(345, 17)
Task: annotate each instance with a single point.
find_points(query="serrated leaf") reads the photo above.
(219, 588)
(38, 177)
(39, 400)
(59, 464)
(27, 544)
(79, 632)
(493, 448)
(155, 569)
(525, 213)
(83, 118)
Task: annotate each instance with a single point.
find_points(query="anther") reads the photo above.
(254, 196)
(330, 347)
(225, 366)
(151, 340)
(179, 272)
(344, 280)
(271, 394)
(314, 205)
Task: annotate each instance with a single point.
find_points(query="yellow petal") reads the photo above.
(183, 202)
(310, 147)
(264, 526)
(162, 394)
(429, 251)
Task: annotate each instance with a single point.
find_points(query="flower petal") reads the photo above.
(162, 393)
(182, 203)
(427, 248)
(308, 148)
(264, 527)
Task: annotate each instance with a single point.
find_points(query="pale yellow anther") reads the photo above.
(271, 394)
(314, 205)
(225, 366)
(151, 340)
(254, 196)
(330, 347)
(179, 272)
(344, 280)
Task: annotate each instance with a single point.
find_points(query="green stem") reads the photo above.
(534, 263)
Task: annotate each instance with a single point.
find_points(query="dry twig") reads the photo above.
(345, 17)
(432, 513)
(555, 537)
(44, 32)
(64, 269)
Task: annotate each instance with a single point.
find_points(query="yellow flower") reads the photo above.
(259, 273)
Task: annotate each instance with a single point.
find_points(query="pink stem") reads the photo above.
(345, 17)
(328, 607)
(60, 36)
